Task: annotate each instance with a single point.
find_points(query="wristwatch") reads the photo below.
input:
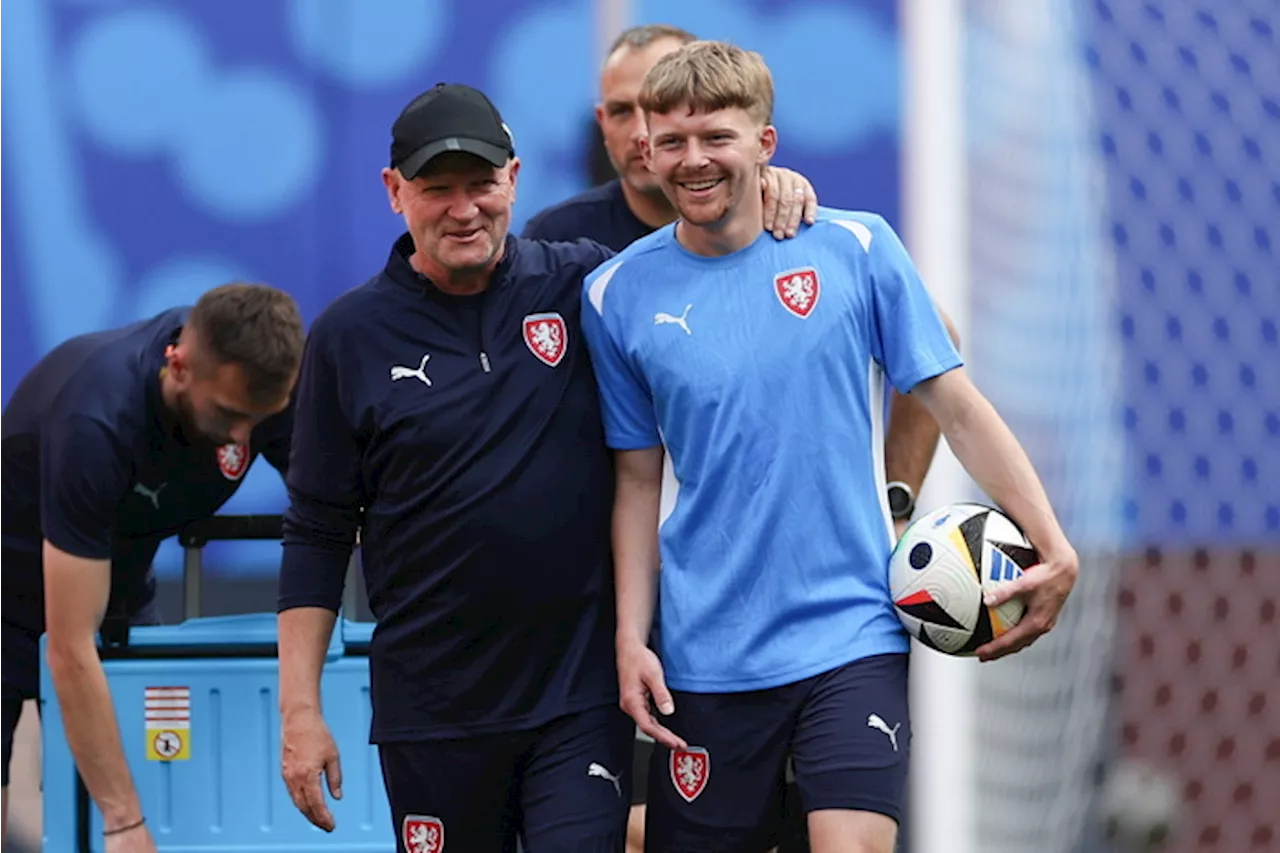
(902, 501)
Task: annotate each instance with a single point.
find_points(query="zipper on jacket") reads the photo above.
(484, 356)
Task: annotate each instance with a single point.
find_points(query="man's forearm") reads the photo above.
(988, 450)
(303, 636)
(636, 559)
(89, 721)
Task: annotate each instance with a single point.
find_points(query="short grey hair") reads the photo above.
(647, 34)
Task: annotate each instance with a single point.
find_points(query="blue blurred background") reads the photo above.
(155, 149)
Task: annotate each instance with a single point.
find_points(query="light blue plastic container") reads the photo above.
(228, 796)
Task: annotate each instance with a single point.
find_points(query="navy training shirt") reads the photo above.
(600, 214)
(462, 435)
(95, 463)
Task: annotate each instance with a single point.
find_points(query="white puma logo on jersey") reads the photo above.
(875, 722)
(399, 372)
(152, 495)
(682, 321)
(594, 769)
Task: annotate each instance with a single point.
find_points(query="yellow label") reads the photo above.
(168, 745)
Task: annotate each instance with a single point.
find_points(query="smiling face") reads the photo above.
(709, 163)
(708, 107)
(458, 211)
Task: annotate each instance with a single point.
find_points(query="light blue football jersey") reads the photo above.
(762, 373)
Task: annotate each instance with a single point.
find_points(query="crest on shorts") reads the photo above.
(690, 769)
(422, 834)
(233, 460)
(798, 290)
(546, 337)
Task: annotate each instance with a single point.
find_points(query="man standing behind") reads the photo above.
(113, 442)
(779, 635)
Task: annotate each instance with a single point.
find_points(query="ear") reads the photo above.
(392, 180)
(646, 150)
(768, 144)
(600, 116)
(178, 361)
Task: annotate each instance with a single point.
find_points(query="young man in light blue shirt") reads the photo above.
(760, 366)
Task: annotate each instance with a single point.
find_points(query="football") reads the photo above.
(942, 565)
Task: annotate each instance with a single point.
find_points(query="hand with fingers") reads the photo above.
(788, 198)
(642, 687)
(1044, 588)
(308, 753)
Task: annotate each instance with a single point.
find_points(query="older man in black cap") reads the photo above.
(447, 410)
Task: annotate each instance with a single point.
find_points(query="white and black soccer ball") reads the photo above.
(942, 565)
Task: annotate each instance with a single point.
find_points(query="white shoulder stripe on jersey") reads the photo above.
(596, 293)
(857, 229)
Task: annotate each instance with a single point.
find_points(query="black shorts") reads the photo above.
(564, 786)
(846, 732)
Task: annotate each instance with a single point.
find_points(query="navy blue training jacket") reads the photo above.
(96, 464)
(462, 435)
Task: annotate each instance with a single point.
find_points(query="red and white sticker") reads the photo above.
(422, 834)
(690, 769)
(233, 460)
(547, 337)
(798, 290)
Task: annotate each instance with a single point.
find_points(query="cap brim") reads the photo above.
(414, 163)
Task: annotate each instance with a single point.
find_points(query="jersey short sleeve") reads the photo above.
(84, 475)
(910, 340)
(625, 398)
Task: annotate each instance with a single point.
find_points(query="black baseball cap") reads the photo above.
(449, 117)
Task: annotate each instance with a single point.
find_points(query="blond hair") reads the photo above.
(706, 76)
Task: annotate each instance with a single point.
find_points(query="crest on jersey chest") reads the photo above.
(233, 460)
(546, 336)
(798, 290)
